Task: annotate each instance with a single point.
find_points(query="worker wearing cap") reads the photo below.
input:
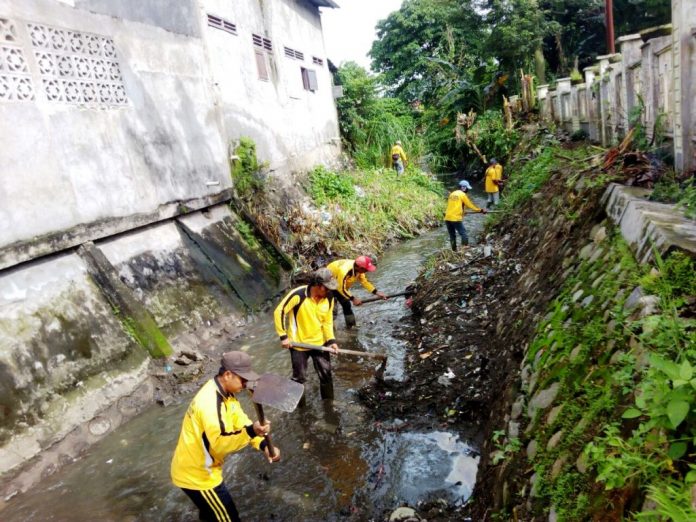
(493, 182)
(347, 272)
(215, 426)
(305, 315)
(456, 202)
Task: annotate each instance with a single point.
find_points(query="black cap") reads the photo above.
(239, 363)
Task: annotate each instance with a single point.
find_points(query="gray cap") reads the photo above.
(465, 184)
(239, 363)
(323, 276)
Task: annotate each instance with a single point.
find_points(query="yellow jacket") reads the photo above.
(214, 426)
(493, 173)
(304, 320)
(397, 149)
(344, 272)
(455, 209)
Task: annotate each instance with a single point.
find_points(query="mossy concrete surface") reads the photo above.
(57, 332)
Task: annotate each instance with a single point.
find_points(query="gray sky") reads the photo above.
(350, 30)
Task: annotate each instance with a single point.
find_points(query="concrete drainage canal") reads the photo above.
(338, 462)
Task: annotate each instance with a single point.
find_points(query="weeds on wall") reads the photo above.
(246, 169)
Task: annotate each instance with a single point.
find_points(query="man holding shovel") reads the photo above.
(305, 315)
(215, 426)
(347, 272)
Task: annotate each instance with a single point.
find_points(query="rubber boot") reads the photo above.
(454, 245)
(350, 321)
(489, 204)
(326, 390)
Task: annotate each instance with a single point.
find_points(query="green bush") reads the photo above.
(326, 185)
(370, 123)
(370, 207)
(491, 136)
(687, 201)
(245, 169)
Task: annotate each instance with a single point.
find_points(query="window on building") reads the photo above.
(263, 52)
(222, 24)
(317, 61)
(309, 80)
(293, 53)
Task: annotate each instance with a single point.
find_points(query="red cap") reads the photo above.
(366, 263)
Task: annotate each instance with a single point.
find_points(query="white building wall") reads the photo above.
(76, 170)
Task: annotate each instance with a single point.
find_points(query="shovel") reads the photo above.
(383, 358)
(373, 299)
(277, 392)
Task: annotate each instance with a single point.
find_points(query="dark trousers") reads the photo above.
(214, 504)
(454, 227)
(345, 303)
(321, 361)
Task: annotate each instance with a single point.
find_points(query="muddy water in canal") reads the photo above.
(338, 464)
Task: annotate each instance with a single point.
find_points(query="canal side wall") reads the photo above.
(78, 330)
(587, 348)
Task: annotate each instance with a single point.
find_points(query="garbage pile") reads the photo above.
(453, 373)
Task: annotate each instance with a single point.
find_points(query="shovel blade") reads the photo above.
(277, 392)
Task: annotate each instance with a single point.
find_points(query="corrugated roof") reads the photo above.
(323, 3)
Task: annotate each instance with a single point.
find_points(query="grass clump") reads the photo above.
(371, 207)
(246, 169)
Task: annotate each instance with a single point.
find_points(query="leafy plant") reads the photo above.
(327, 185)
(687, 201)
(246, 169)
(506, 447)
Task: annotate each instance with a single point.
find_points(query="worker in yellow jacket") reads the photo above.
(398, 158)
(347, 272)
(493, 182)
(215, 426)
(454, 214)
(305, 315)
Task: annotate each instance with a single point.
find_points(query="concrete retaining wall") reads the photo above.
(654, 68)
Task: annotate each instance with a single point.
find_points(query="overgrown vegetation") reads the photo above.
(370, 124)
(446, 57)
(246, 169)
(368, 208)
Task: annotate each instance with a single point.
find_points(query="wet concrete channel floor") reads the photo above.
(338, 463)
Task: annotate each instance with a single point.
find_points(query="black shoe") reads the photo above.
(350, 321)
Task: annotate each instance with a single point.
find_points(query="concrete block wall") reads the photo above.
(656, 71)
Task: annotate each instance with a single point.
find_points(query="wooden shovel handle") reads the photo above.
(340, 350)
(262, 420)
(373, 299)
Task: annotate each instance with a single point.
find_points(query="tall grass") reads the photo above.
(372, 207)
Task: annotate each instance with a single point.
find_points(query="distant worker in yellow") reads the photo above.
(347, 272)
(398, 158)
(494, 180)
(305, 315)
(456, 202)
